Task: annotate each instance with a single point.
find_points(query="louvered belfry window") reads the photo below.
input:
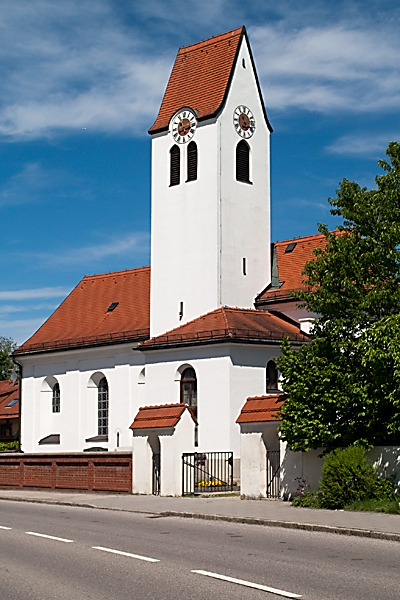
(243, 162)
(175, 170)
(192, 162)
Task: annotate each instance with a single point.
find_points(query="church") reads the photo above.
(202, 326)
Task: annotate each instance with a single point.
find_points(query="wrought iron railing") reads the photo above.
(207, 472)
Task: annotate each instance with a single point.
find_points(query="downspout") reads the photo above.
(20, 402)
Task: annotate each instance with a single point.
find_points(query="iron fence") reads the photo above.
(207, 472)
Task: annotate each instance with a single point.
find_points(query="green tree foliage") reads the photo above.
(343, 388)
(7, 346)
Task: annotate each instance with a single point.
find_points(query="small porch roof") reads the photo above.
(261, 408)
(164, 415)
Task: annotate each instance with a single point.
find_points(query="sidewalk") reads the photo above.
(273, 513)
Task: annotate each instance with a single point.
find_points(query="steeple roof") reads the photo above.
(200, 77)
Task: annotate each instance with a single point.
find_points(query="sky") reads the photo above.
(82, 82)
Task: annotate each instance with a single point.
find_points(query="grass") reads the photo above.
(372, 505)
(384, 505)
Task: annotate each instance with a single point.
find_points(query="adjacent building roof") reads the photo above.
(107, 308)
(9, 399)
(200, 78)
(229, 324)
(289, 258)
(164, 415)
(261, 408)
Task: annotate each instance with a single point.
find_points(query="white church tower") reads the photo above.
(210, 185)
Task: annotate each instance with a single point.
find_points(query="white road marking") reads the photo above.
(49, 537)
(256, 586)
(2, 527)
(138, 556)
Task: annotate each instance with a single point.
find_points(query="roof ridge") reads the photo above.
(212, 40)
(114, 273)
(304, 237)
(223, 310)
(164, 405)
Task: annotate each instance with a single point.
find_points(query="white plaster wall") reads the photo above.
(247, 378)
(253, 472)
(245, 208)
(386, 460)
(77, 419)
(226, 375)
(184, 233)
(212, 370)
(172, 448)
(202, 230)
(141, 463)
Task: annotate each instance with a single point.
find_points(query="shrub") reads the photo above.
(308, 500)
(348, 477)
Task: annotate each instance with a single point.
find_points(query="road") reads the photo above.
(162, 555)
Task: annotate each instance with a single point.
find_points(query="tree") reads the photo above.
(343, 387)
(7, 347)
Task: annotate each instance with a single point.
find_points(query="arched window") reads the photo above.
(272, 376)
(192, 162)
(55, 403)
(102, 418)
(243, 162)
(175, 165)
(189, 389)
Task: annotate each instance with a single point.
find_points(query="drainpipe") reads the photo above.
(20, 402)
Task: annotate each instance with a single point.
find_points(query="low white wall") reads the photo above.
(173, 442)
(172, 448)
(141, 464)
(255, 440)
(386, 460)
(305, 468)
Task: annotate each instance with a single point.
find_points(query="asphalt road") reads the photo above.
(81, 563)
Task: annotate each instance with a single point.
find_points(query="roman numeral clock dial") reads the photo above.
(244, 122)
(183, 125)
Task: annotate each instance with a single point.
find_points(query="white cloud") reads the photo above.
(363, 144)
(118, 246)
(19, 330)
(29, 294)
(74, 65)
(103, 66)
(342, 66)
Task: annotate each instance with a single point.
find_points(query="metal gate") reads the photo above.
(207, 472)
(156, 475)
(273, 473)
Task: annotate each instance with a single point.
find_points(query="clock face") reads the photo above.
(183, 125)
(244, 122)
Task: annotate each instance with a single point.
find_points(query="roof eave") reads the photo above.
(35, 351)
(225, 340)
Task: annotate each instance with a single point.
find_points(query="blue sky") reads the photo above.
(82, 83)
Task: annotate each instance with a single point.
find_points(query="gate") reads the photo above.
(156, 475)
(207, 472)
(273, 473)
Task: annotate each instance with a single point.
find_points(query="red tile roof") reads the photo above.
(200, 78)
(227, 324)
(164, 415)
(83, 318)
(290, 266)
(9, 391)
(261, 408)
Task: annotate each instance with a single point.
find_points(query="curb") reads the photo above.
(365, 533)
